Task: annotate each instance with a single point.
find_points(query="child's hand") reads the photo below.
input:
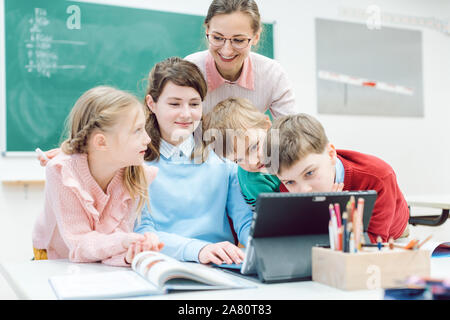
(140, 243)
(221, 252)
(131, 239)
(50, 155)
(338, 187)
(151, 242)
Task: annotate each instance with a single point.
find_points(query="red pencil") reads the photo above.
(337, 210)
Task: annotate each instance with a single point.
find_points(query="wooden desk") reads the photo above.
(23, 182)
(29, 280)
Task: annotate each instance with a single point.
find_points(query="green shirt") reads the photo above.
(254, 183)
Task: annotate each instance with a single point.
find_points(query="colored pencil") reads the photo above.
(344, 232)
(352, 243)
(331, 208)
(349, 211)
(337, 210)
(335, 230)
(423, 242)
(357, 221)
(411, 244)
(330, 233)
(352, 207)
(349, 231)
(379, 243)
(340, 241)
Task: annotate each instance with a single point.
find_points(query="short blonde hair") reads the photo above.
(101, 108)
(298, 136)
(232, 115)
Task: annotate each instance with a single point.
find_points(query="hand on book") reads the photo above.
(138, 243)
(221, 252)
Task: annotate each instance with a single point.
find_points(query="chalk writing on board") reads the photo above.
(41, 51)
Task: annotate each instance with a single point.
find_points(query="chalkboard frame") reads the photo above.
(2, 81)
(3, 94)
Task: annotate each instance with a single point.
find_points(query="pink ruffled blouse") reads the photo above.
(80, 221)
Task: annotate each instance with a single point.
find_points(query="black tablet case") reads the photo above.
(286, 226)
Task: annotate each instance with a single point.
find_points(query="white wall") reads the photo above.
(417, 148)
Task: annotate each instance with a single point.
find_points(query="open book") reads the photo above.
(438, 248)
(151, 273)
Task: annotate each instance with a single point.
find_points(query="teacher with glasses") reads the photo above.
(230, 67)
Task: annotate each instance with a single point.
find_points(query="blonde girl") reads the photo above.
(97, 186)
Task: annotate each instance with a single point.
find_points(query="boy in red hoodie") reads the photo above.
(308, 162)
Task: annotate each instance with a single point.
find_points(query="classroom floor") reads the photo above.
(440, 233)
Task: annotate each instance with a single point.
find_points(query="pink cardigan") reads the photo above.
(80, 222)
(263, 81)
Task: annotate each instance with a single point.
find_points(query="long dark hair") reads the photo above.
(181, 73)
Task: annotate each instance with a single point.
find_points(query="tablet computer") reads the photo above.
(290, 224)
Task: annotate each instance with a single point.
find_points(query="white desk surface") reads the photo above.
(29, 280)
(429, 201)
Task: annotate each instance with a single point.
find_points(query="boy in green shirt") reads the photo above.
(236, 130)
(254, 183)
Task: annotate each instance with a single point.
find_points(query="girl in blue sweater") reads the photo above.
(195, 193)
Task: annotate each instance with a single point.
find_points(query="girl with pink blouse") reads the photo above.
(95, 189)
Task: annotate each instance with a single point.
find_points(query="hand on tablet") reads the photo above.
(221, 252)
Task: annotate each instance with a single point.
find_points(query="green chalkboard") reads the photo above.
(56, 50)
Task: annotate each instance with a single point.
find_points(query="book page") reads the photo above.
(159, 269)
(437, 248)
(102, 285)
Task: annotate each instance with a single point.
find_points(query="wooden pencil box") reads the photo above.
(368, 269)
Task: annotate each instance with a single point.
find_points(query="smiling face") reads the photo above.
(314, 173)
(178, 112)
(237, 25)
(128, 139)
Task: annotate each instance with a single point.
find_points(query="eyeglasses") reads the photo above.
(237, 42)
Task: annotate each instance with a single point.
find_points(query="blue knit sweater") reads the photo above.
(189, 206)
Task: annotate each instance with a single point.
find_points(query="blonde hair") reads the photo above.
(182, 73)
(101, 108)
(235, 116)
(298, 136)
